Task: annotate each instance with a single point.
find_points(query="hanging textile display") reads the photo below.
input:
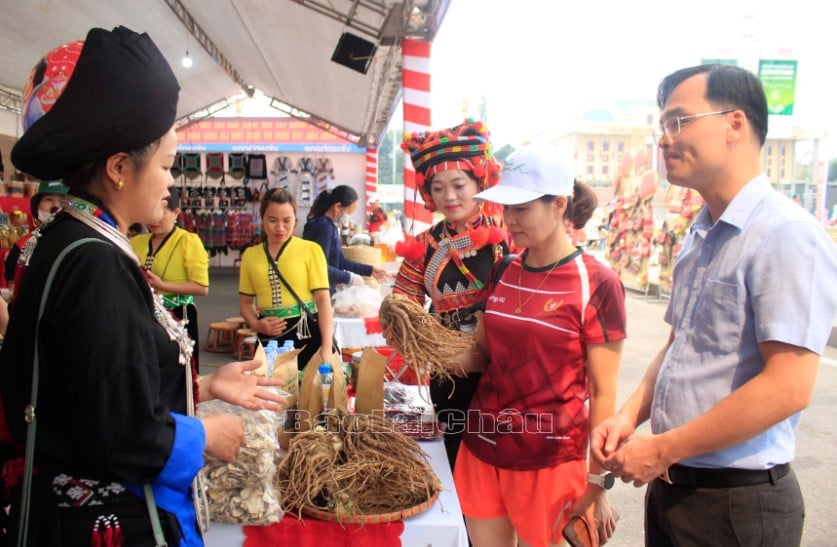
(281, 170)
(238, 165)
(632, 219)
(305, 195)
(682, 206)
(324, 173)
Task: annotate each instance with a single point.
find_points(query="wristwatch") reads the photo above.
(605, 480)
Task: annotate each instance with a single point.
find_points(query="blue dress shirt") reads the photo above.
(765, 271)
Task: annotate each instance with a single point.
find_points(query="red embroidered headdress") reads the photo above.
(465, 146)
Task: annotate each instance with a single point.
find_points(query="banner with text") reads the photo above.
(260, 135)
(778, 76)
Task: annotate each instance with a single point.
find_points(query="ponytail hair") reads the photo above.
(581, 206)
(343, 194)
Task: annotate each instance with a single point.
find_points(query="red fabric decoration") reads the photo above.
(311, 532)
(496, 235)
(409, 248)
(487, 234)
(478, 236)
(373, 325)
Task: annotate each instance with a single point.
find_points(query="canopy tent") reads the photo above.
(280, 50)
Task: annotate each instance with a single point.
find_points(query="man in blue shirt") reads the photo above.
(751, 309)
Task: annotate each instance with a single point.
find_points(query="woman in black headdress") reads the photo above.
(115, 385)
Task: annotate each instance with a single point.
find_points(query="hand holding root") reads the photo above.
(427, 346)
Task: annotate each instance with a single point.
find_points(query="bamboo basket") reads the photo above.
(371, 519)
(364, 254)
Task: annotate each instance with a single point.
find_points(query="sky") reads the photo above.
(542, 63)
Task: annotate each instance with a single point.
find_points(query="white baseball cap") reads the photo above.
(529, 173)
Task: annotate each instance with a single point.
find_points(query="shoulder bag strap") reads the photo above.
(156, 527)
(500, 267)
(29, 412)
(302, 306)
(306, 311)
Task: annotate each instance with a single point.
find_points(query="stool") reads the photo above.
(244, 351)
(221, 337)
(247, 348)
(242, 324)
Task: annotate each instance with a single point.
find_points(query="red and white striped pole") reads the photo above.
(371, 179)
(415, 77)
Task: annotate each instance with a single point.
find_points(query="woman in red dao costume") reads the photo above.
(450, 262)
(117, 448)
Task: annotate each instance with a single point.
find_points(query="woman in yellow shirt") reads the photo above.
(176, 265)
(281, 278)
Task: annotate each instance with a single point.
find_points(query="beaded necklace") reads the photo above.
(457, 256)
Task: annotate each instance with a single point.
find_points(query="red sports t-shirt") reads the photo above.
(529, 411)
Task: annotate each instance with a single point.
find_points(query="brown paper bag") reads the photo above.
(337, 397)
(310, 400)
(259, 355)
(287, 369)
(284, 367)
(370, 383)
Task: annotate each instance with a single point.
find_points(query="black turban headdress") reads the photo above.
(120, 95)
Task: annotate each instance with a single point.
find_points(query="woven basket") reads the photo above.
(371, 519)
(363, 254)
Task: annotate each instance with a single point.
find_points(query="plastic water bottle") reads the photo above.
(325, 376)
(288, 346)
(271, 351)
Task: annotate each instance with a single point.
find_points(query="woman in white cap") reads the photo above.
(554, 325)
(116, 448)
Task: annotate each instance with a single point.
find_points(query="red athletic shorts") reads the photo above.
(537, 502)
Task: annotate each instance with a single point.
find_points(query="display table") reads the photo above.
(351, 332)
(440, 526)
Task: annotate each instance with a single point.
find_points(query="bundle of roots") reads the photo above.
(428, 347)
(357, 465)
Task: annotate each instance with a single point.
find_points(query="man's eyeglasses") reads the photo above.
(671, 126)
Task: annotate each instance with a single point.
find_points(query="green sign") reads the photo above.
(733, 62)
(779, 80)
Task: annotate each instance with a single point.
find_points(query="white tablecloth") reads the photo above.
(440, 526)
(350, 332)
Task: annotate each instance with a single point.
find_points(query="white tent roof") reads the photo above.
(282, 48)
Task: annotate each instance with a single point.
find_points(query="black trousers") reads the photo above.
(451, 401)
(310, 345)
(761, 515)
